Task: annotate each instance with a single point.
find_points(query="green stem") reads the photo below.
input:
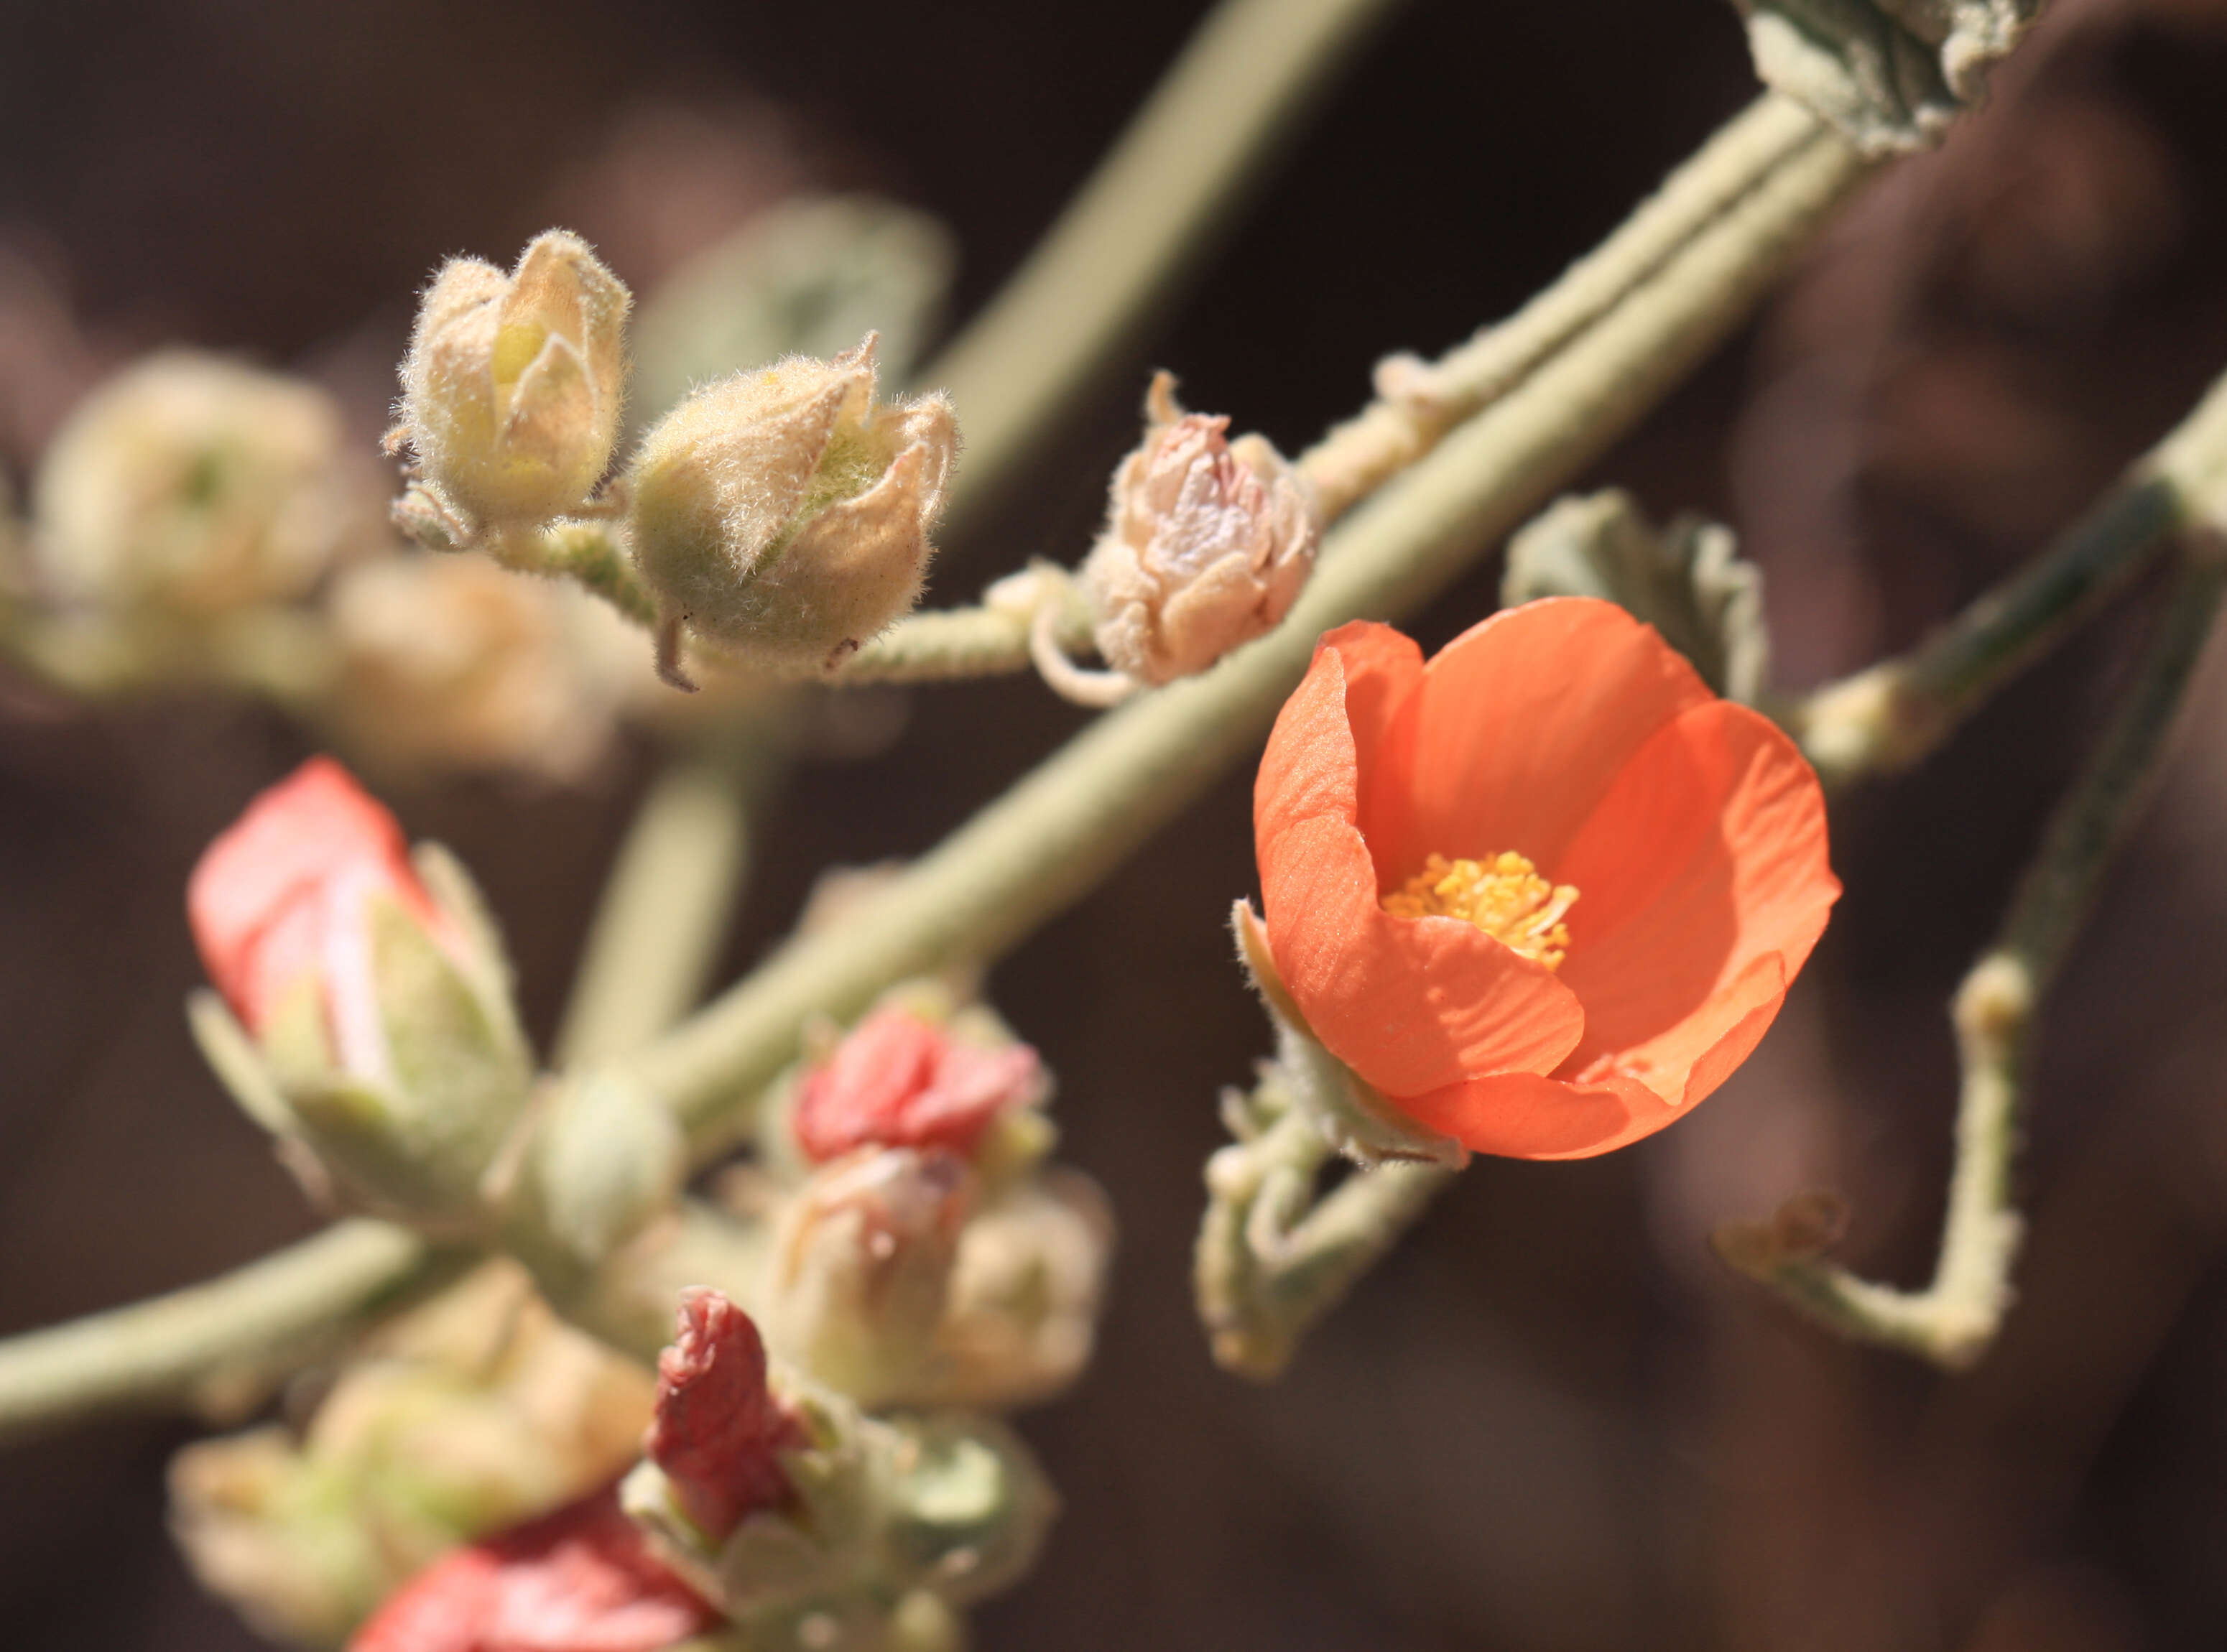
(1243, 81)
(1952, 1319)
(1271, 1260)
(166, 1350)
(1889, 715)
(665, 910)
(1061, 829)
(1419, 402)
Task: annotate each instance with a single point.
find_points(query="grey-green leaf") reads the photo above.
(1685, 580)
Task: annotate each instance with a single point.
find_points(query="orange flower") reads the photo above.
(1545, 893)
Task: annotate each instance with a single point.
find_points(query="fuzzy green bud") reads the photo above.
(512, 389)
(781, 515)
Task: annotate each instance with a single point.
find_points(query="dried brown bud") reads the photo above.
(781, 514)
(1206, 545)
(512, 388)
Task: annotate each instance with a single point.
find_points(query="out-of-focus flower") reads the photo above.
(452, 661)
(512, 388)
(1557, 780)
(582, 1579)
(899, 1079)
(1206, 545)
(781, 514)
(473, 1412)
(380, 1014)
(197, 485)
(719, 1432)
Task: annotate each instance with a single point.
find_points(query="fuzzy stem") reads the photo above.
(1888, 716)
(1272, 1260)
(664, 910)
(1952, 1319)
(1419, 402)
(1243, 82)
(165, 1351)
(1061, 829)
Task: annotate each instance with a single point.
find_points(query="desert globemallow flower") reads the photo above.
(1544, 893)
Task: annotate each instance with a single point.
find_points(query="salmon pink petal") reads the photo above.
(1410, 1004)
(1522, 725)
(1523, 1115)
(1706, 857)
(1328, 733)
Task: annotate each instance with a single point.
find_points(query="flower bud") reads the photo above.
(512, 384)
(780, 513)
(719, 1432)
(860, 1272)
(379, 1014)
(452, 662)
(582, 1579)
(1206, 545)
(1021, 1315)
(194, 484)
(900, 1080)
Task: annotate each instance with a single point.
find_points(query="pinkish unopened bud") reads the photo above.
(582, 1579)
(719, 1432)
(376, 1009)
(781, 514)
(512, 388)
(284, 894)
(1207, 544)
(898, 1081)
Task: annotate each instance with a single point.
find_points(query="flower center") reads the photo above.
(1502, 895)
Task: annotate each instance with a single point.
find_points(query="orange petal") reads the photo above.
(1522, 725)
(1706, 857)
(1328, 732)
(1410, 1004)
(1520, 1116)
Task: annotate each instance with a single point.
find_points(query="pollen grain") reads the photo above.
(1503, 894)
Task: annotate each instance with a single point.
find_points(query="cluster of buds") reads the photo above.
(763, 1505)
(466, 1415)
(924, 1252)
(363, 1010)
(778, 515)
(1207, 544)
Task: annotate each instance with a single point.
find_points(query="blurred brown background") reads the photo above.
(1551, 1421)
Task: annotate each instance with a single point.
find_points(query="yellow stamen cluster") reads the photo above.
(1502, 895)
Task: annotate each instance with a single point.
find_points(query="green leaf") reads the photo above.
(1686, 581)
(1889, 75)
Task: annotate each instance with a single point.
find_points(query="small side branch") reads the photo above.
(1888, 716)
(1272, 1258)
(1952, 1319)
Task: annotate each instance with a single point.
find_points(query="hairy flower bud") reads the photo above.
(512, 384)
(780, 513)
(1022, 1312)
(195, 484)
(380, 1013)
(1207, 544)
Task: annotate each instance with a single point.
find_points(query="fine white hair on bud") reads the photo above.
(1207, 544)
(780, 514)
(512, 388)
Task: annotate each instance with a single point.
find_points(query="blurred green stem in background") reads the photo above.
(1952, 1319)
(1888, 716)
